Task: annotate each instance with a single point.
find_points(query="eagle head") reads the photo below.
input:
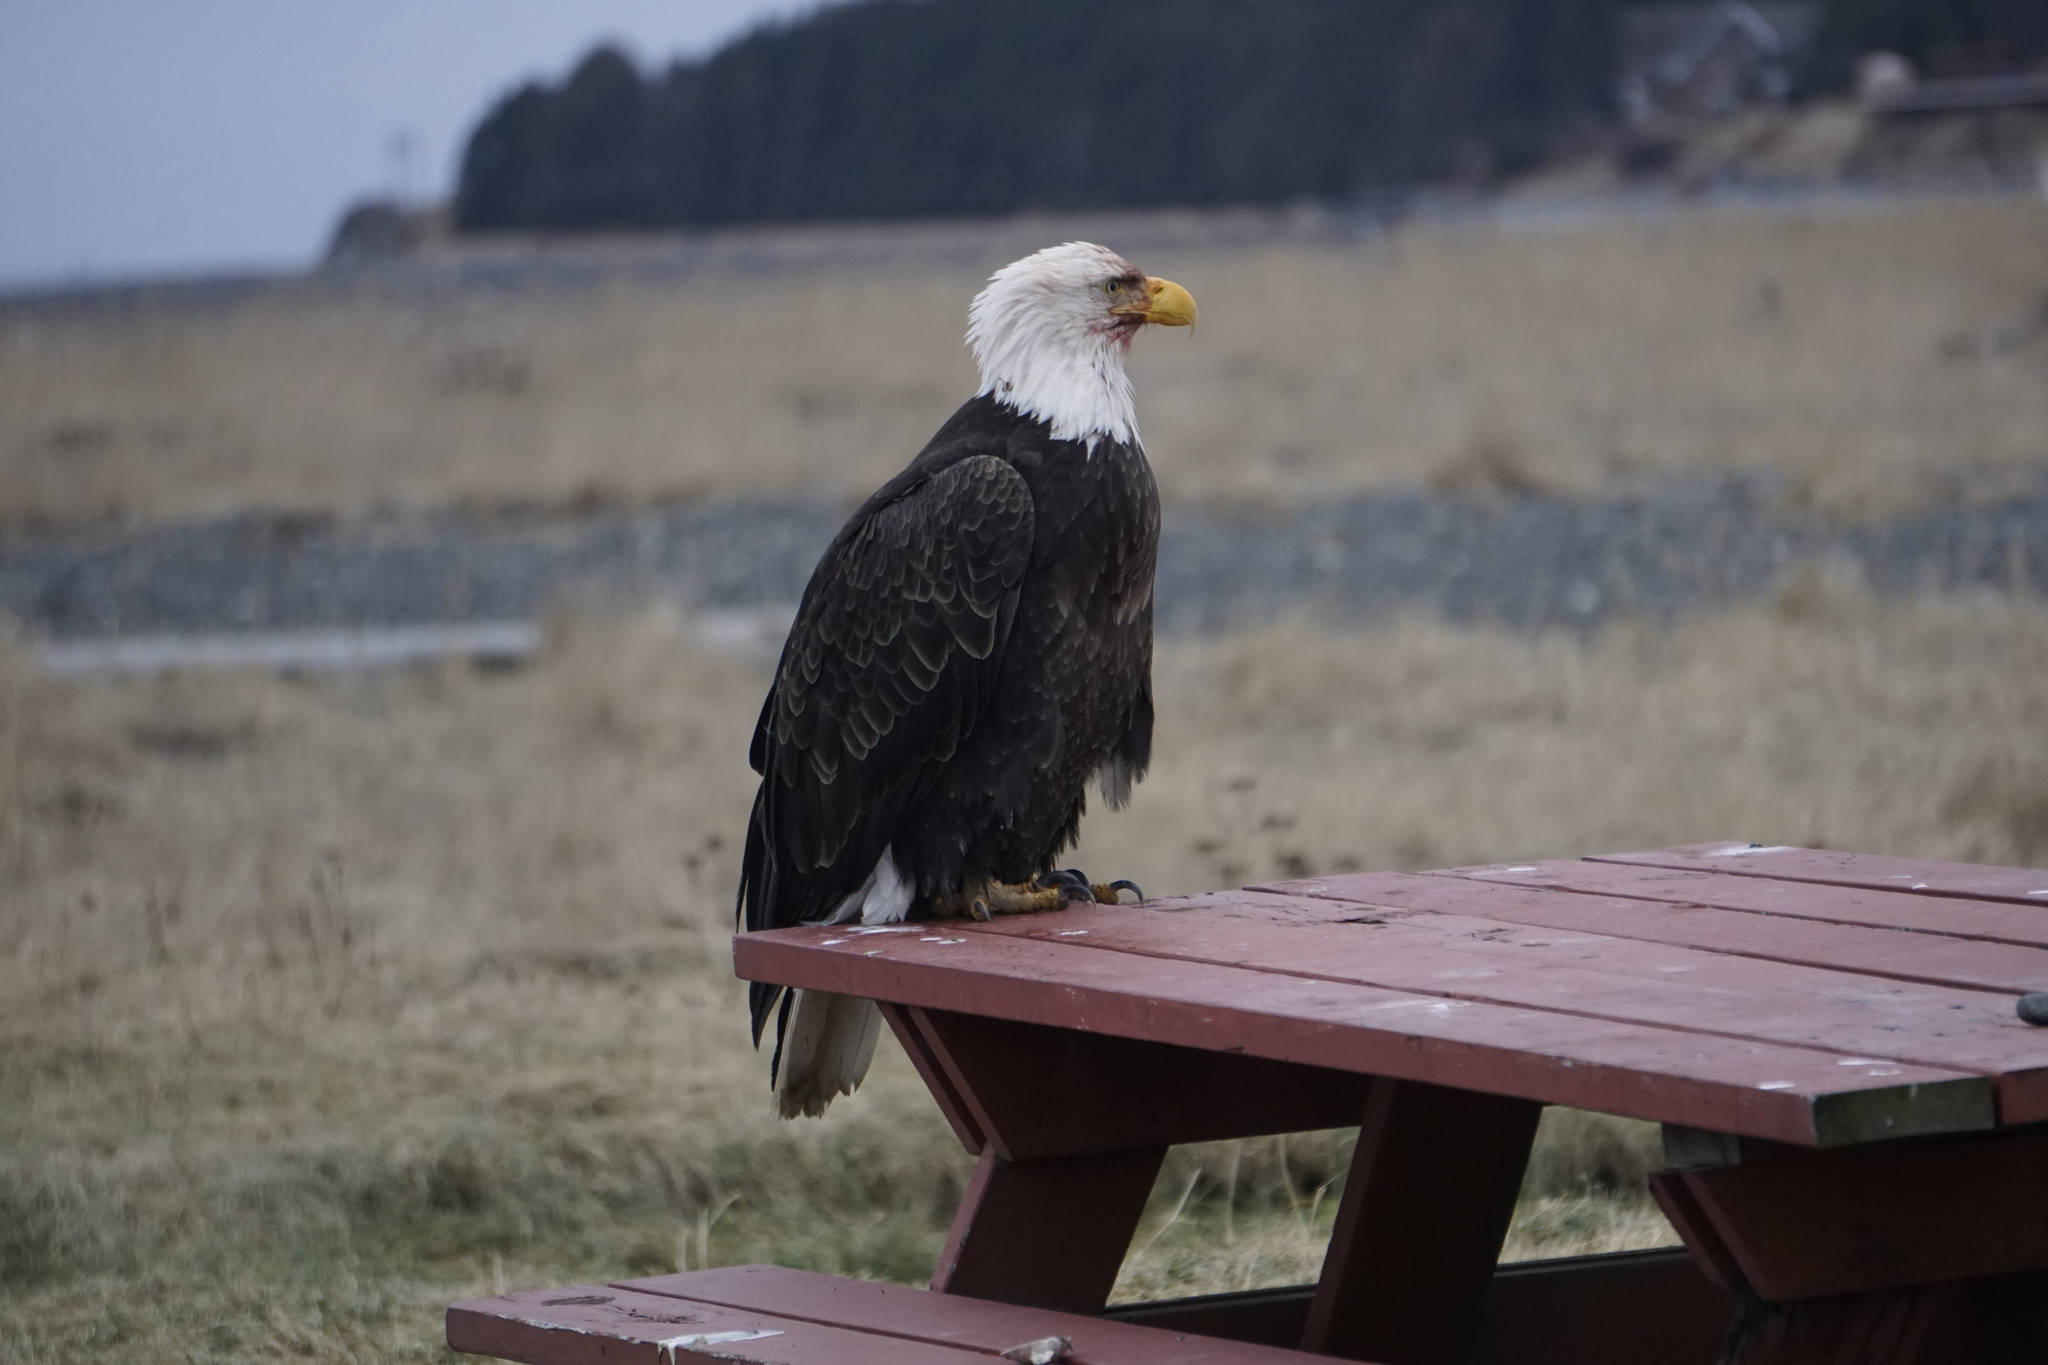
(1050, 333)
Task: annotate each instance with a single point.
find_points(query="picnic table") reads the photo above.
(1855, 1119)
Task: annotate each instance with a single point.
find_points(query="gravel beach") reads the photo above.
(1530, 562)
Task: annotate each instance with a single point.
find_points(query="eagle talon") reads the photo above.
(1074, 886)
(1069, 882)
(979, 911)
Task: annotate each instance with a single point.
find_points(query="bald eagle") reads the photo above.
(974, 646)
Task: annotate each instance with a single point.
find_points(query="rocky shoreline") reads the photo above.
(1527, 563)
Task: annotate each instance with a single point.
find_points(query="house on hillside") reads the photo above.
(1707, 58)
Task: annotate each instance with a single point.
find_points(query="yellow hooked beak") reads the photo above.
(1164, 302)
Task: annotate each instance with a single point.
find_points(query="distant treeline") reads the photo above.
(921, 107)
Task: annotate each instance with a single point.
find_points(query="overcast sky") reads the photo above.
(142, 137)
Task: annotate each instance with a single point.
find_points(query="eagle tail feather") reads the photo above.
(826, 1051)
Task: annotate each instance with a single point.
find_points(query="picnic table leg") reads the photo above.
(1071, 1129)
(1049, 1233)
(1908, 1253)
(1976, 1320)
(1426, 1206)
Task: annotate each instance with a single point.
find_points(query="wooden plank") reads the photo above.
(1269, 1317)
(1702, 1240)
(1890, 953)
(1994, 1320)
(1863, 1329)
(1539, 1312)
(1993, 921)
(590, 1323)
(1882, 1217)
(909, 1026)
(1051, 1234)
(1426, 1204)
(1041, 1092)
(1469, 958)
(952, 1320)
(1625, 1308)
(1798, 1095)
(1918, 876)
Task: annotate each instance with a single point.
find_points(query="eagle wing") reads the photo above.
(892, 659)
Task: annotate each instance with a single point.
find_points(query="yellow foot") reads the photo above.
(1051, 891)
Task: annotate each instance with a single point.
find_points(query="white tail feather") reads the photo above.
(826, 1052)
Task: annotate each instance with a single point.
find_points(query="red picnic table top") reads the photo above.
(1807, 997)
(1830, 1040)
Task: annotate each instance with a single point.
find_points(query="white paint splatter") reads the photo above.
(1778, 1085)
(1747, 850)
(697, 1341)
(1433, 1006)
(942, 940)
(1072, 933)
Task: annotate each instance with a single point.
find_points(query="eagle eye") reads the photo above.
(1113, 288)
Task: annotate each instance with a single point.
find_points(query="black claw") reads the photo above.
(1069, 882)
(1074, 886)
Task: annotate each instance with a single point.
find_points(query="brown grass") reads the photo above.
(325, 1001)
(1875, 360)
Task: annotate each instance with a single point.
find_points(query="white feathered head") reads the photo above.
(1050, 333)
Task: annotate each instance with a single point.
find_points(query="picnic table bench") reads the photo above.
(1855, 1119)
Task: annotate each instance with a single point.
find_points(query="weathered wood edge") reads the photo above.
(784, 957)
(2000, 922)
(1916, 877)
(577, 1324)
(1914, 955)
(1718, 998)
(1923, 1109)
(957, 1321)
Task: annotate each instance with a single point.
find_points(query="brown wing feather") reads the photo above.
(889, 664)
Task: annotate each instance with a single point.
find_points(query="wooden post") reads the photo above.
(1049, 1233)
(1425, 1209)
(1071, 1129)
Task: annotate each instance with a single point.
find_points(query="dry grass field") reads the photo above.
(1876, 360)
(326, 1000)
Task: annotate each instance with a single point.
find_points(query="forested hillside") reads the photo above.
(894, 108)
(903, 107)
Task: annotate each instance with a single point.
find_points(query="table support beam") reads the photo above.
(1807, 1225)
(1029, 1092)
(1619, 1308)
(1426, 1206)
(1048, 1233)
(2005, 1318)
